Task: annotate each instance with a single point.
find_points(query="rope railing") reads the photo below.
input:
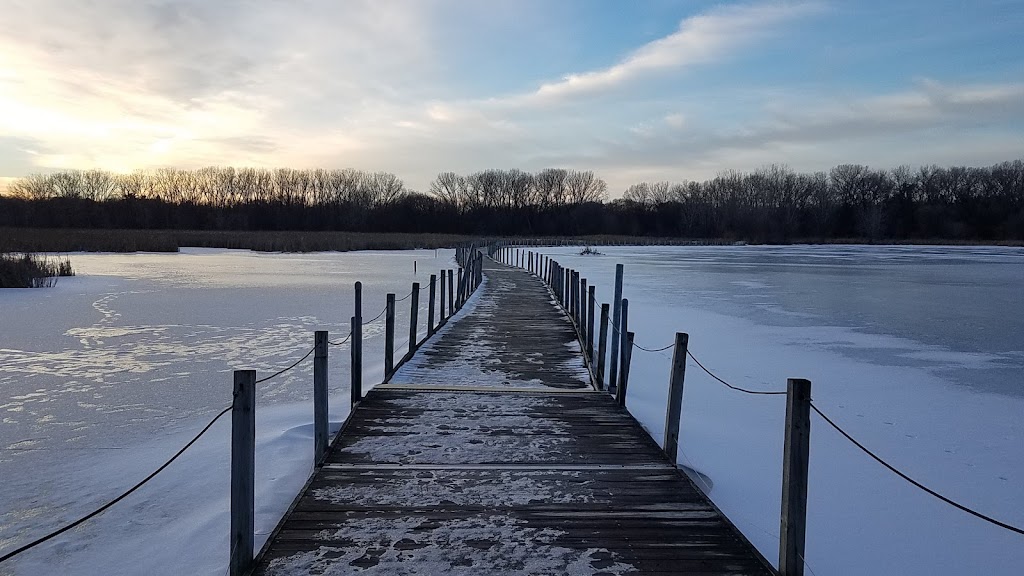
(282, 371)
(342, 341)
(122, 496)
(913, 482)
(152, 475)
(737, 388)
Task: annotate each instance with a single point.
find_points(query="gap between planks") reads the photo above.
(553, 467)
(483, 389)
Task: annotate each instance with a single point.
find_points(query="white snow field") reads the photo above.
(918, 352)
(105, 376)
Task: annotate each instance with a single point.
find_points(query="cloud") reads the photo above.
(123, 84)
(700, 39)
(928, 123)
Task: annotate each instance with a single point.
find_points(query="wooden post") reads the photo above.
(674, 408)
(591, 300)
(556, 281)
(460, 291)
(627, 358)
(567, 285)
(354, 378)
(575, 298)
(623, 338)
(795, 457)
(389, 336)
(602, 346)
(243, 471)
(414, 311)
(440, 313)
(357, 346)
(571, 298)
(616, 328)
(582, 305)
(430, 304)
(319, 396)
(451, 292)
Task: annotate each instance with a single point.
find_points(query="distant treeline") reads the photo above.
(772, 204)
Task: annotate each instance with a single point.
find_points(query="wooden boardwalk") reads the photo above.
(489, 453)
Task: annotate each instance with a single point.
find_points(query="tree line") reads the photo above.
(771, 204)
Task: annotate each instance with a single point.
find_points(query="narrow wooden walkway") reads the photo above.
(490, 454)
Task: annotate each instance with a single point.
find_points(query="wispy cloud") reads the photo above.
(700, 39)
(930, 122)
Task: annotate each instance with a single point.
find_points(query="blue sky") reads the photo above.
(653, 90)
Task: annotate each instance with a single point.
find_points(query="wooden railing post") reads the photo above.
(602, 346)
(243, 471)
(591, 298)
(460, 291)
(355, 381)
(414, 311)
(568, 293)
(582, 305)
(616, 329)
(320, 428)
(389, 336)
(674, 408)
(451, 292)
(624, 348)
(440, 313)
(796, 452)
(430, 304)
(575, 288)
(627, 359)
(357, 346)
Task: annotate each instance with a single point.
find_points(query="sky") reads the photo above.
(653, 90)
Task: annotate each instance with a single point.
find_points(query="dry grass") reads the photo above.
(74, 240)
(32, 271)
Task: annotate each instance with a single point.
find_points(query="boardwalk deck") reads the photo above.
(489, 453)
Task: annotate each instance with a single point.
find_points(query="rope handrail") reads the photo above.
(915, 483)
(123, 495)
(375, 318)
(404, 298)
(342, 341)
(737, 388)
(279, 372)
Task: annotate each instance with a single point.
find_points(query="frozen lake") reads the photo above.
(917, 351)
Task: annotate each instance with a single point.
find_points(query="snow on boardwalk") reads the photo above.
(488, 454)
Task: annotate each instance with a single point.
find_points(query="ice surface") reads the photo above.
(916, 351)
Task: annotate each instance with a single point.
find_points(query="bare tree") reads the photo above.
(582, 186)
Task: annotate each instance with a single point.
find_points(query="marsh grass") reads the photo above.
(84, 240)
(32, 271)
